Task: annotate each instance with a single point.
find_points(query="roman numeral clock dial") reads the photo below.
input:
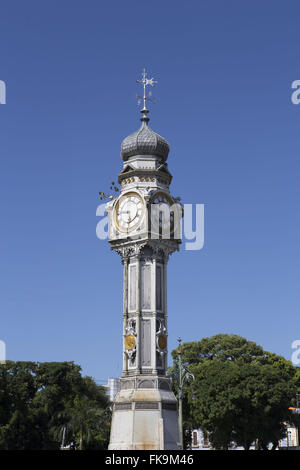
(129, 212)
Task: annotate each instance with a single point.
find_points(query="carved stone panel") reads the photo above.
(164, 385)
(127, 384)
(146, 286)
(146, 406)
(159, 287)
(123, 406)
(132, 289)
(146, 384)
(146, 343)
(169, 406)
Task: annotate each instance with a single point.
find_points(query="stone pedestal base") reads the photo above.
(144, 420)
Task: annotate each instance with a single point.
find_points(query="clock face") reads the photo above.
(129, 212)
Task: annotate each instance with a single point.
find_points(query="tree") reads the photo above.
(87, 416)
(37, 400)
(84, 419)
(21, 426)
(241, 393)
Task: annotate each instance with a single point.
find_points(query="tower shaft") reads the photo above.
(145, 409)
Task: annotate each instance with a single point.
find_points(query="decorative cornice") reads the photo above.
(161, 249)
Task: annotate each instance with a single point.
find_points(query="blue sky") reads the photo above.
(223, 102)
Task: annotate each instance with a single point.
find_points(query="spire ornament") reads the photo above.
(145, 82)
(145, 141)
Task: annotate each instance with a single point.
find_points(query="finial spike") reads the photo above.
(145, 82)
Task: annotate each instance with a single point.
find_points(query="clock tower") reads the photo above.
(144, 223)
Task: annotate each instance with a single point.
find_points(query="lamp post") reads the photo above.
(182, 375)
(296, 411)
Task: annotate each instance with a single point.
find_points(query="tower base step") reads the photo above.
(144, 420)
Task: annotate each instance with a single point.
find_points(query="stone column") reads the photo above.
(165, 305)
(154, 313)
(125, 311)
(138, 314)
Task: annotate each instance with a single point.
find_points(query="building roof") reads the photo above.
(144, 142)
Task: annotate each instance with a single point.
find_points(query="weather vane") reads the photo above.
(145, 82)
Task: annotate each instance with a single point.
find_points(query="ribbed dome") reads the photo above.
(144, 142)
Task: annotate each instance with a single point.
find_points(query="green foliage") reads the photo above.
(38, 400)
(241, 393)
(222, 346)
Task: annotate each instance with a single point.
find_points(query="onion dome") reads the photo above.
(144, 142)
